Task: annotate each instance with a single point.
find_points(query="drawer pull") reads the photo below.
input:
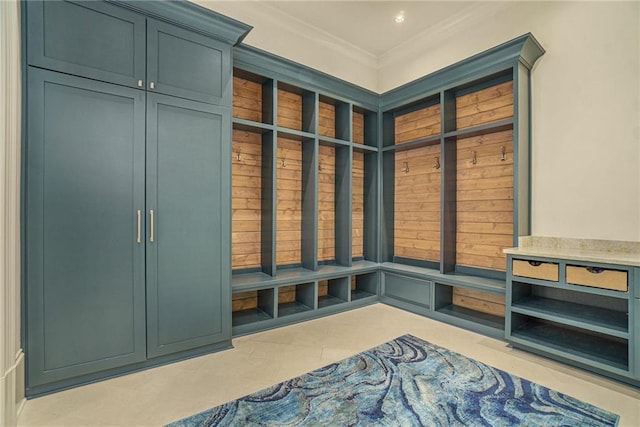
(595, 270)
(535, 263)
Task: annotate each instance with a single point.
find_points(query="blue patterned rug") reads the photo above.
(405, 382)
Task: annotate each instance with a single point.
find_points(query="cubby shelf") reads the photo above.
(498, 126)
(601, 320)
(600, 351)
(311, 295)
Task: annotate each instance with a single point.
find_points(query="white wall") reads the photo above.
(586, 95)
(283, 35)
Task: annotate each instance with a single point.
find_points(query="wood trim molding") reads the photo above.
(10, 133)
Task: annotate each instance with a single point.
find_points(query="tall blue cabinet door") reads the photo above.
(85, 268)
(188, 265)
(89, 39)
(186, 64)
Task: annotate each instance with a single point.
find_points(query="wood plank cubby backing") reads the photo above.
(247, 99)
(327, 203)
(485, 106)
(246, 190)
(357, 203)
(289, 110)
(417, 203)
(417, 124)
(484, 180)
(289, 202)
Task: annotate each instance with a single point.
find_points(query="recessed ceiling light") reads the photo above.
(400, 17)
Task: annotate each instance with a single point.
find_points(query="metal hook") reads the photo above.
(319, 167)
(503, 157)
(239, 156)
(405, 167)
(437, 163)
(474, 159)
(284, 162)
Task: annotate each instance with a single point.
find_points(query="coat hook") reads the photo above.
(319, 167)
(284, 162)
(437, 163)
(239, 156)
(503, 157)
(474, 159)
(405, 167)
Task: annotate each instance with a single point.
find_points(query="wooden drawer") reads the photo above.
(597, 277)
(535, 269)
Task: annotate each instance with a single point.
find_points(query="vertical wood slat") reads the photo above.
(417, 203)
(357, 208)
(247, 99)
(358, 128)
(289, 110)
(246, 200)
(485, 200)
(289, 202)
(326, 119)
(326, 203)
(417, 124)
(483, 302)
(485, 106)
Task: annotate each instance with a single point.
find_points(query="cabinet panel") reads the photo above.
(186, 284)
(85, 177)
(415, 291)
(188, 65)
(90, 39)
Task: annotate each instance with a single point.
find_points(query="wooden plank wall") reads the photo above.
(484, 201)
(246, 191)
(323, 288)
(357, 205)
(485, 106)
(289, 202)
(479, 301)
(357, 202)
(327, 204)
(327, 119)
(417, 204)
(417, 124)
(244, 301)
(286, 294)
(247, 99)
(289, 110)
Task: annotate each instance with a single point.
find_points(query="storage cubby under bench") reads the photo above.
(577, 301)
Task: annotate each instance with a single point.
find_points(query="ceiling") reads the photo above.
(370, 25)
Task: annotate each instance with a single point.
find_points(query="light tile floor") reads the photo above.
(167, 393)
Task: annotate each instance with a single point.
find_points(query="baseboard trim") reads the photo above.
(12, 393)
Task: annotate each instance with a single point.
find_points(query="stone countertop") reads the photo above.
(589, 250)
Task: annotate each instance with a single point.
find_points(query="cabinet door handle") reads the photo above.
(151, 237)
(138, 240)
(152, 85)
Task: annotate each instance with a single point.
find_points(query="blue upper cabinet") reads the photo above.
(188, 65)
(90, 39)
(121, 45)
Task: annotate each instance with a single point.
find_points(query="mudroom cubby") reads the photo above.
(305, 192)
(455, 183)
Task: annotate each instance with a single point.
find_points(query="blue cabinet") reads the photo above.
(127, 187)
(85, 284)
(189, 65)
(89, 39)
(188, 283)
